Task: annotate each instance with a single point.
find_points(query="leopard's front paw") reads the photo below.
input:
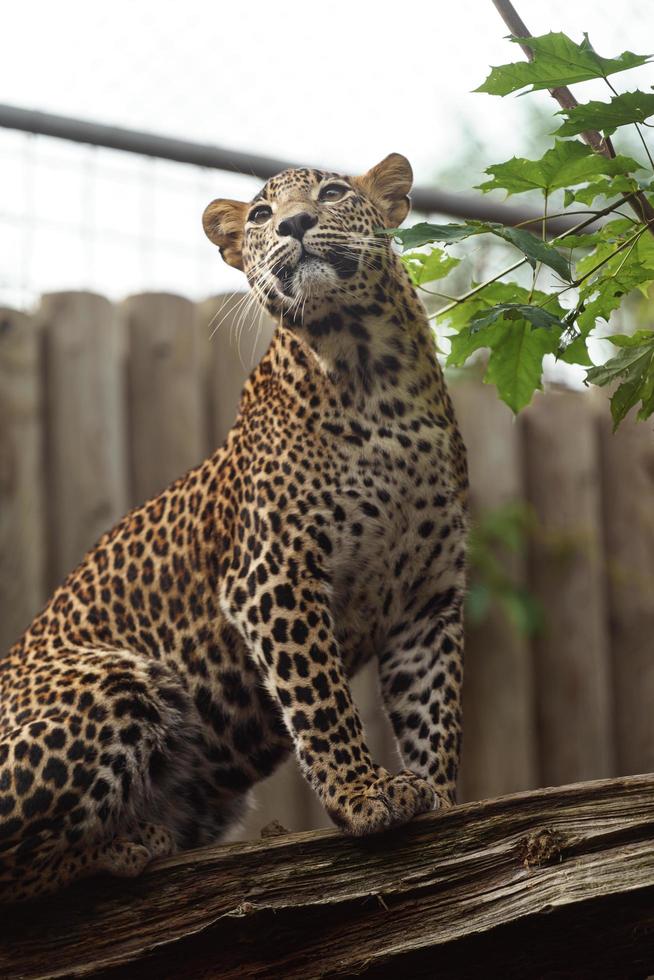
(385, 801)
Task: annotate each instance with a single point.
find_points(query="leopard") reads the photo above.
(215, 629)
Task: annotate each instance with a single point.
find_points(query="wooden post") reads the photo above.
(167, 404)
(85, 441)
(238, 334)
(22, 532)
(499, 752)
(563, 475)
(628, 483)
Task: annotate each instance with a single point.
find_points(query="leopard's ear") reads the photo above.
(388, 185)
(223, 222)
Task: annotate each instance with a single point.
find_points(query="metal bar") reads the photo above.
(425, 199)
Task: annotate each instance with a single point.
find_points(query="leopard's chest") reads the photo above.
(395, 501)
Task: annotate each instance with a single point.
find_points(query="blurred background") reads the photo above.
(123, 347)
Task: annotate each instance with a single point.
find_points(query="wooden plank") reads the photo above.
(85, 439)
(563, 474)
(22, 539)
(497, 883)
(167, 414)
(499, 750)
(238, 335)
(628, 484)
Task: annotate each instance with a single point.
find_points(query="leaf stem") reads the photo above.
(430, 292)
(557, 214)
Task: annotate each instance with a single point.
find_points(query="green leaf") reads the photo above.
(517, 348)
(557, 61)
(636, 339)
(605, 187)
(606, 294)
(426, 267)
(567, 163)
(535, 249)
(580, 241)
(606, 241)
(465, 344)
(621, 273)
(606, 117)
(516, 362)
(536, 315)
(494, 294)
(424, 233)
(532, 247)
(644, 252)
(647, 398)
(633, 366)
(576, 352)
(623, 400)
(628, 363)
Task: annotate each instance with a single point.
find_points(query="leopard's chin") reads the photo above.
(312, 278)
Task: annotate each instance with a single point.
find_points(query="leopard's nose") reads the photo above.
(296, 225)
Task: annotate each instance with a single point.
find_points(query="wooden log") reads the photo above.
(167, 403)
(628, 485)
(84, 409)
(563, 475)
(22, 538)
(499, 749)
(238, 335)
(553, 883)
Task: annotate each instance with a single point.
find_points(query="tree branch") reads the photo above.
(600, 144)
(496, 883)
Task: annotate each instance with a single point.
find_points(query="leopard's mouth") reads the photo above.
(310, 268)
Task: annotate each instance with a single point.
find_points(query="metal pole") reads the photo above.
(425, 199)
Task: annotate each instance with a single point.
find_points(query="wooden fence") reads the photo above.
(102, 405)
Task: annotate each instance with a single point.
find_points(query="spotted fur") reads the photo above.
(216, 627)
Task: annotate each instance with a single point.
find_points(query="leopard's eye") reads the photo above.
(260, 214)
(332, 192)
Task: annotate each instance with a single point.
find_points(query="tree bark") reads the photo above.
(554, 883)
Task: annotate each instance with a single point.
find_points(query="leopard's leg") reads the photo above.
(158, 839)
(289, 631)
(45, 863)
(421, 675)
(53, 867)
(71, 784)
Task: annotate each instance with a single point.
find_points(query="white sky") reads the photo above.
(336, 83)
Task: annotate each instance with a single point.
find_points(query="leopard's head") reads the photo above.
(310, 240)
